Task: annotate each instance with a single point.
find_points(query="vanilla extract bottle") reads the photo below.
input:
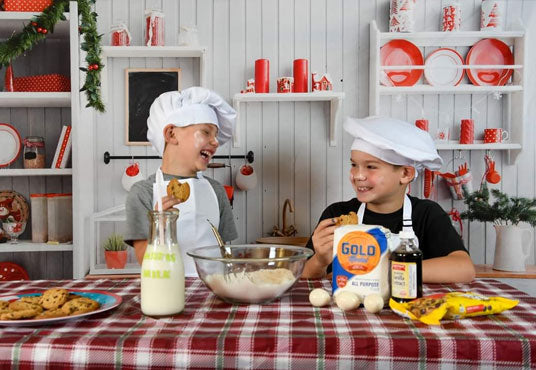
(406, 269)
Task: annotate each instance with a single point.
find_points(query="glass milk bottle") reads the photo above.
(162, 269)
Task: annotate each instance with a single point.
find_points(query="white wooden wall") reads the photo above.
(290, 140)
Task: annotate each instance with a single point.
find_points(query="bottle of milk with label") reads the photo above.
(162, 269)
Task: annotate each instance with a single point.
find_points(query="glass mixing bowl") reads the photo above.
(256, 273)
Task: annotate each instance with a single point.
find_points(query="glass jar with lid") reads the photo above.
(34, 152)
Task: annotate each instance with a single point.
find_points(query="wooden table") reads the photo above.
(487, 271)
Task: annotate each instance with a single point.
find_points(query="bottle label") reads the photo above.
(404, 279)
(358, 252)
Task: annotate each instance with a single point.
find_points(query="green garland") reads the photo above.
(41, 25)
(505, 210)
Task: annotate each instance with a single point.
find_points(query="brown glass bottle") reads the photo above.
(405, 269)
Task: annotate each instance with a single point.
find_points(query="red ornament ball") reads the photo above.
(39, 29)
(44, 31)
(34, 24)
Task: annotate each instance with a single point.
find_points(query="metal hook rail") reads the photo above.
(249, 157)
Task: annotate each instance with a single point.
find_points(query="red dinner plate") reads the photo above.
(400, 53)
(489, 51)
(10, 144)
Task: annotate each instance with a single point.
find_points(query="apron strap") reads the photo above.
(406, 214)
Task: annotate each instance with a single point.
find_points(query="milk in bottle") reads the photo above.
(162, 269)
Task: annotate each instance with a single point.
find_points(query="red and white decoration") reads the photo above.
(492, 15)
(63, 150)
(250, 86)
(321, 84)
(26, 5)
(131, 176)
(402, 16)
(120, 36)
(154, 27)
(285, 85)
(451, 16)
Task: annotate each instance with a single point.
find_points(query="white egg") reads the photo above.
(347, 300)
(373, 303)
(319, 297)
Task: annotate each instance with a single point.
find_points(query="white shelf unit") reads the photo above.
(35, 99)
(151, 52)
(67, 30)
(35, 172)
(28, 246)
(335, 99)
(513, 91)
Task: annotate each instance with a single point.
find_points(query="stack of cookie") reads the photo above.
(52, 303)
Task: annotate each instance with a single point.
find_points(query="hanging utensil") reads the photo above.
(491, 175)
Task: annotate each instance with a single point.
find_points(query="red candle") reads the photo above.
(301, 75)
(262, 76)
(467, 131)
(8, 81)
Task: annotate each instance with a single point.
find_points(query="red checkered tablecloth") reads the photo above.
(287, 333)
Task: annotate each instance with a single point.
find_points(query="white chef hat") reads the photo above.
(394, 141)
(191, 106)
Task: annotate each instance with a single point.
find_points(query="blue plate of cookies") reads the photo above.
(31, 308)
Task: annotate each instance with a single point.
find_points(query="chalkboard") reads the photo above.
(142, 87)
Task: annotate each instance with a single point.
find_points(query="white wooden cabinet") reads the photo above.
(512, 93)
(20, 104)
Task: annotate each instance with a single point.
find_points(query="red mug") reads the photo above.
(495, 135)
(467, 131)
(422, 124)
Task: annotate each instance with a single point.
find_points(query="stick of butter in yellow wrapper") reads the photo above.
(455, 305)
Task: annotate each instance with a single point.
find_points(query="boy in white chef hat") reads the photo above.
(185, 128)
(386, 156)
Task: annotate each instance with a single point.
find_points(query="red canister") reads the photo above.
(467, 131)
(262, 76)
(119, 35)
(154, 27)
(422, 124)
(301, 76)
(452, 16)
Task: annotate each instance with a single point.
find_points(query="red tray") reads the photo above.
(52, 82)
(26, 5)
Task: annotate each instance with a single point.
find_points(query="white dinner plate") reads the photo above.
(107, 302)
(10, 144)
(438, 68)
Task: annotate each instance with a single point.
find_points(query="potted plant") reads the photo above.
(115, 252)
(506, 213)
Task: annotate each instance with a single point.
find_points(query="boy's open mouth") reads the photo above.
(363, 189)
(206, 155)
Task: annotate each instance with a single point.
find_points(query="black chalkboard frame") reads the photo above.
(142, 86)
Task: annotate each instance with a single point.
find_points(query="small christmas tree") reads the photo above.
(504, 211)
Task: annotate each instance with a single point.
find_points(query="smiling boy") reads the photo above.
(385, 158)
(185, 128)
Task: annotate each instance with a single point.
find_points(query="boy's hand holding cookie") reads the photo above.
(177, 192)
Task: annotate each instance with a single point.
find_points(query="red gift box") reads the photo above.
(26, 5)
(52, 82)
